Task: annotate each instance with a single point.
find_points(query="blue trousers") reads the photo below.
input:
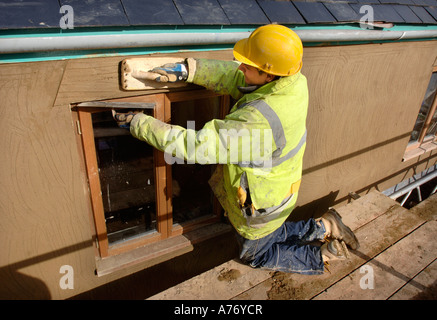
(287, 249)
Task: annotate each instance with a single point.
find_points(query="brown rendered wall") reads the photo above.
(364, 100)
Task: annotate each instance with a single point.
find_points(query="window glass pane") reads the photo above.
(127, 179)
(432, 129)
(424, 109)
(192, 196)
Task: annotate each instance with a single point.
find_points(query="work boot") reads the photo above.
(336, 229)
(334, 250)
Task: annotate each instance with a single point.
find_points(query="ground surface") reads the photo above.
(396, 260)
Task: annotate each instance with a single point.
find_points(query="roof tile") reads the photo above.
(281, 12)
(342, 12)
(100, 13)
(432, 11)
(314, 12)
(35, 14)
(140, 12)
(423, 14)
(407, 14)
(206, 12)
(382, 13)
(97, 13)
(243, 12)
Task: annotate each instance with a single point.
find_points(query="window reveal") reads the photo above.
(138, 199)
(423, 135)
(192, 196)
(126, 178)
(426, 120)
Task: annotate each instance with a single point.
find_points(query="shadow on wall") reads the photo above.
(315, 208)
(16, 285)
(23, 287)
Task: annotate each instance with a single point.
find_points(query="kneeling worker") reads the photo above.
(272, 95)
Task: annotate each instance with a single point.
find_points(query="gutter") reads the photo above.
(20, 44)
(363, 35)
(118, 40)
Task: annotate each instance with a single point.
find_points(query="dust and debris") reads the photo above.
(282, 287)
(229, 275)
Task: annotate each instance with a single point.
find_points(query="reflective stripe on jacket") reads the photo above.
(269, 179)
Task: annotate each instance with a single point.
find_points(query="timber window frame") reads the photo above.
(195, 230)
(420, 141)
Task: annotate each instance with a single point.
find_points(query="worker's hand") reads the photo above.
(124, 119)
(171, 72)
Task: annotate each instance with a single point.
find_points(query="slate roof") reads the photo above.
(20, 14)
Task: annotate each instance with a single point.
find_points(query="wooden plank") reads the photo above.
(221, 283)
(388, 223)
(390, 270)
(374, 237)
(421, 287)
(365, 209)
(427, 209)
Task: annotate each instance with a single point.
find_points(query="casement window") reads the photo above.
(423, 137)
(138, 199)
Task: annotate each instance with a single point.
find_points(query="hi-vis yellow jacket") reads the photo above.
(260, 143)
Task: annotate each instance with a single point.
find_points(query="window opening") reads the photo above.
(423, 136)
(426, 122)
(192, 196)
(127, 180)
(137, 198)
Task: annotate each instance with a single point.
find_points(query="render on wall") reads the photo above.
(364, 100)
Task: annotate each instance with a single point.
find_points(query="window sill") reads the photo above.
(160, 251)
(422, 149)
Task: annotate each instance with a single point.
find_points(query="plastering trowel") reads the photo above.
(136, 73)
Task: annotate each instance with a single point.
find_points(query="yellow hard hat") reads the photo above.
(272, 48)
